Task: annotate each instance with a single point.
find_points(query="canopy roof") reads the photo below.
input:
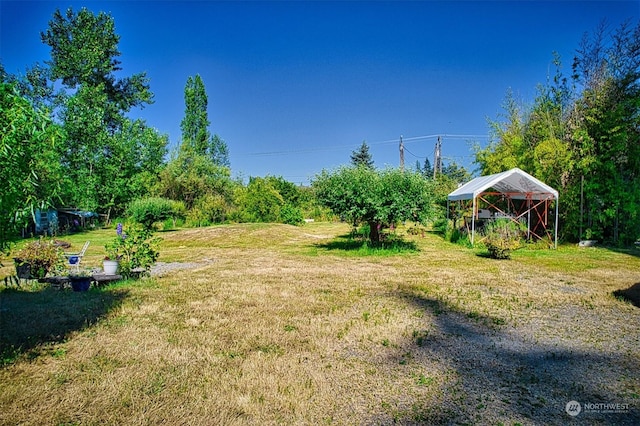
(515, 182)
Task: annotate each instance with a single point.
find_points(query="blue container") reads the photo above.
(80, 283)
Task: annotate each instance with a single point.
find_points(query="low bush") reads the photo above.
(291, 215)
(41, 256)
(134, 248)
(148, 211)
(502, 236)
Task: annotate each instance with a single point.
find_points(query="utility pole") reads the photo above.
(437, 158)
(401, 154)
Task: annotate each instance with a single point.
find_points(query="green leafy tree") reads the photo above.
(506, 149)
(30, 162)
(605, 135)
(219, 151)
(196, 138)
(587, 143)
(206, 188)
(377, 198)
(289, 191)
(362, 157)
(260, 201)
(92, 105)
(84, 48)
(131, 167)
(36, 86)
(194, 125)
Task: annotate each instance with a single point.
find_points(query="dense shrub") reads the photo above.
(209, 209)
(291, 215)
(148, 211)
(258, 202)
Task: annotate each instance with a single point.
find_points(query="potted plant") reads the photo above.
(111, 262)
(80, 281)
(135, 249)
(110, 265)
(37, 258)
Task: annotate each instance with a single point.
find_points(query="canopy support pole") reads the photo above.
(555, 229)
(473, 220)
(528, 217)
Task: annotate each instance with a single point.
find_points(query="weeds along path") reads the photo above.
(274, 324)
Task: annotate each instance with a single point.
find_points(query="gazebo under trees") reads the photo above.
(515, 195)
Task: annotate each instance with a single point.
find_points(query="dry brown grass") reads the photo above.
(274, 326)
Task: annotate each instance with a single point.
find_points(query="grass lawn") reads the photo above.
(274, 324)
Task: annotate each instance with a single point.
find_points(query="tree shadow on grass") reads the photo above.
(631, 251)
(29, 320)
(631, 294)
(501, 375)
(348, 243)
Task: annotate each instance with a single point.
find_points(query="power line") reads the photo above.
(353, 146)
(406, 150)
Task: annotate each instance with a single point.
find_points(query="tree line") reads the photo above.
(66, 140)
(581, 135)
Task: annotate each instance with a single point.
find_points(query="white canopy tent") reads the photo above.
(513, 184)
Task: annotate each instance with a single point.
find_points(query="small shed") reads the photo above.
(513, 194)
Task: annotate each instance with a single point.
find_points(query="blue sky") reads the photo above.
(295, 87)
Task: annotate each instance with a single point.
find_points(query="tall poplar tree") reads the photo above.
(194, 125)
(196, 138)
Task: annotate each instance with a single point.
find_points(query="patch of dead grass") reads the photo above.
(264, 331)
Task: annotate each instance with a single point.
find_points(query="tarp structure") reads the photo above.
(513, 194)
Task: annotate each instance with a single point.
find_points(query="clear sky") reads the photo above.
(295, 87)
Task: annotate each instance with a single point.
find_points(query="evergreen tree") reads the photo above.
(362, 157)
(427, 170)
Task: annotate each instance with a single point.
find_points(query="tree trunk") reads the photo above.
(374, 232)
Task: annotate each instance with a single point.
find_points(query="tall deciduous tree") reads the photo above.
(196, 137)
(84, 52)
(195, 124)
(362, 156)
(378, 198)
(84, 48)
(605, 140)
(587, 143)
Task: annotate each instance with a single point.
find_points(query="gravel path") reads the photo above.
(162, 268)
